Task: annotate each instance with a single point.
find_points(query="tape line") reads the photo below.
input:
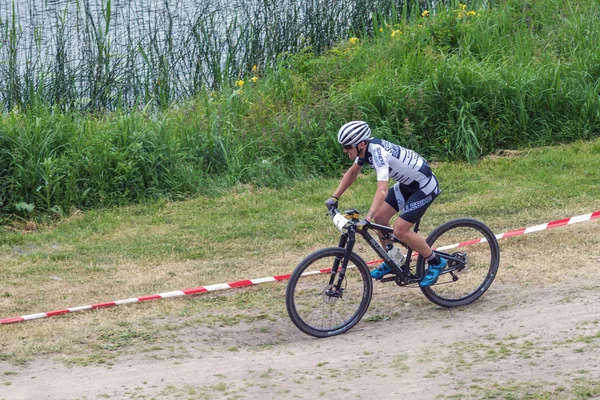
(250, 282)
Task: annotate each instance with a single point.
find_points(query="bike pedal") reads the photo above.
(388, 279)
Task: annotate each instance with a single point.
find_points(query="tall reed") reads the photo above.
(92, 55)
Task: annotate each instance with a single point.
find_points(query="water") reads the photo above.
(79, 50)
(102, 54)
(121, 21)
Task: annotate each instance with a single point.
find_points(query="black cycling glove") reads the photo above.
(331, 202)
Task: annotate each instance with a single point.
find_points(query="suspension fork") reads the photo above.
(347, 242)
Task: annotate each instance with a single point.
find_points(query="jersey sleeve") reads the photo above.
(381, 163)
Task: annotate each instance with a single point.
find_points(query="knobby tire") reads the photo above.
(312, 310)
(483, 258)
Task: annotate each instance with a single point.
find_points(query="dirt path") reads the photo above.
(512, 341)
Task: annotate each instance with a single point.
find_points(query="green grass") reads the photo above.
(579, 389)
(104, 255)
(453, 86)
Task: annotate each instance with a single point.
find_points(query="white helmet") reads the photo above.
(353, 133)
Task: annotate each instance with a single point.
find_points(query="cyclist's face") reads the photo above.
(353, 151)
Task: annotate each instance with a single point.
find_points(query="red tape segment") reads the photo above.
(250, 282)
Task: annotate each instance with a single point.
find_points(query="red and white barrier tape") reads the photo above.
(177, 293)
(250, 282)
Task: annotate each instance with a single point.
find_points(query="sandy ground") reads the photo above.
(511, 343)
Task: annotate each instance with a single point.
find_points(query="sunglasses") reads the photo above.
(348, 147)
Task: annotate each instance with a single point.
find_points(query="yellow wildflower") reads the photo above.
(471, 13)
(240, 83)
(353, 40)
(254, 79)
(425, 13)
(255, 68)
(396, 33)
(380, 29)
(463, 6)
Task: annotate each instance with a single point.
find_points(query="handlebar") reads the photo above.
(353, 213)
(349, 217)
(332, 211)
(352, 217)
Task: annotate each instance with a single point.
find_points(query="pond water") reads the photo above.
(39, 21)
(109, 52)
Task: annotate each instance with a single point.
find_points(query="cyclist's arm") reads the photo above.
(347, 180)
(378, 199)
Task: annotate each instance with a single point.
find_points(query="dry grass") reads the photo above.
(557, 255)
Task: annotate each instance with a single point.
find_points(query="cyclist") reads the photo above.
(415, 189)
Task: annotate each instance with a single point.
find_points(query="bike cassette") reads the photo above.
(463, 265)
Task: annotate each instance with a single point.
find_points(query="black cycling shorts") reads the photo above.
(411, 201)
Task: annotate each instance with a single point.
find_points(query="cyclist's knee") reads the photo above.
(401, 234)
(402, 228)
(381, 220)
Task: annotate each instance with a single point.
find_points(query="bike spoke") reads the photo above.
(316, 307)
(464, 284)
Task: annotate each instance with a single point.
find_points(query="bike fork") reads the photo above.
(347, 243)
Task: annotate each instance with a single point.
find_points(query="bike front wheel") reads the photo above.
(312, 302)
(475, 243)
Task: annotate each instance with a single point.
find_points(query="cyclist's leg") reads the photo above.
(382, 217)
(416, 205)
(403, 231)
(394, 202)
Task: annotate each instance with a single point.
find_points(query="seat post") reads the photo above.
(416, 226)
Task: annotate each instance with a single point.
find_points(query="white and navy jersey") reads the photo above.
(403, 165)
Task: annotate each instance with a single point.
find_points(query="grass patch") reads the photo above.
(578, 389)
(133, 251)
(399, 363)
(114, 340)
(451, 85)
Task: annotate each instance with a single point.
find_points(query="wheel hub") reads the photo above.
(332, 294)
(463, 266)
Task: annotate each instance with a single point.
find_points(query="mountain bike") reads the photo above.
(330, 290)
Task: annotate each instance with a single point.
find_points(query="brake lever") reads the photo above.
(331, 212)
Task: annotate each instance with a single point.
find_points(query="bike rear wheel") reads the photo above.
(478, 246)
(309, 300)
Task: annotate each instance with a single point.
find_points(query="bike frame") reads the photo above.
(347, 241)
(401, 273)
